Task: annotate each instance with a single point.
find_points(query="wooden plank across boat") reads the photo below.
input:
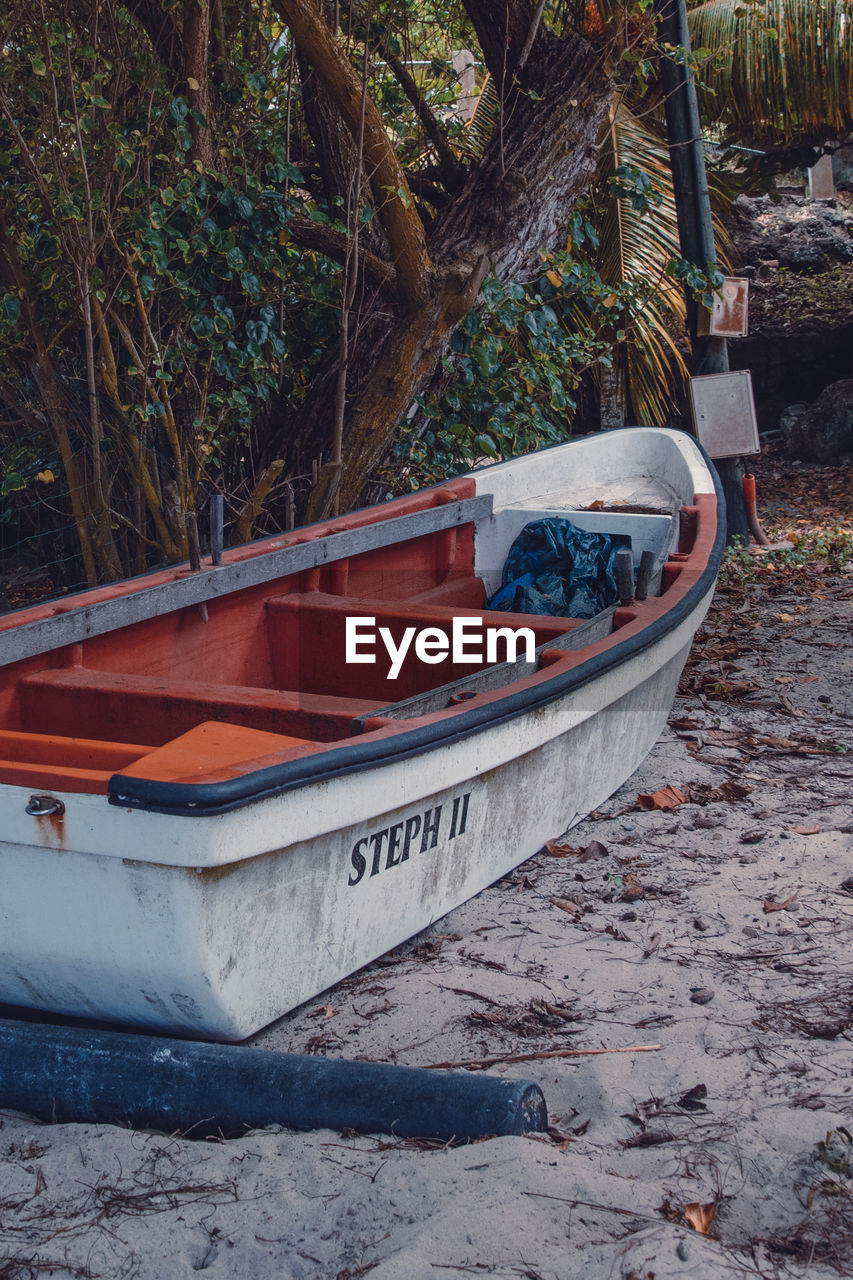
(211, 815)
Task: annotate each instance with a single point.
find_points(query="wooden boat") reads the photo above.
(209, 815)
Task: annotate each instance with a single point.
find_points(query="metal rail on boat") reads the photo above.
(71, 624)
(496, 677)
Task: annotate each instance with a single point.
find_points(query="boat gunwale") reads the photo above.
(196, 799)
(61, 623)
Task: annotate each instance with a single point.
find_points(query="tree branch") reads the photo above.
(503, 30)
(425, 189)
(451, 171)
(531, 35)
(375, 271)
(162, 28)
(196, 42)
(396, 208)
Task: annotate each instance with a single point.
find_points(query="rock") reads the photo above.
(700, 923)
(701, 995)
(803, 257)
(794, 232)
(682, 1251)
(825, 431)
(790, 418)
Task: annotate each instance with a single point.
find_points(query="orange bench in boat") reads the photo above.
(73, 719)
(307, 639)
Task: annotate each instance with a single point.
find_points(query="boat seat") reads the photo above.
(52, 761)
(486, 679)
(106, 704)
(308, 636)
(212, 748)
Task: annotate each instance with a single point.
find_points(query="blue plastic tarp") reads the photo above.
(555, 568)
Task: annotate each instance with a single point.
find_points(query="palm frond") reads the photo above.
(636, 247)
(781, 77)
(484, 121)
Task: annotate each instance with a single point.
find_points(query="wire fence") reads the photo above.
(41, 514)
(39, 546)
(43, 520)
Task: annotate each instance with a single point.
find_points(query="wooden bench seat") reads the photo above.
(55, 762)
(307, 632)
(109, 705)
(211, 750)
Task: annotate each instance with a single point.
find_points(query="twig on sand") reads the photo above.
(592, 1204)
(764, 955)
(481, 1064)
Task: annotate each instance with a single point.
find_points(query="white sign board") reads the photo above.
(724, 413)
(728, 317)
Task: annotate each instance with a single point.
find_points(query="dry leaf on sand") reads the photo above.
(700, 1217)
(595, 849)
(324, 1011)
(632, 890)
(780, 906)
(667, 798)
(560, 850)
(568, 905)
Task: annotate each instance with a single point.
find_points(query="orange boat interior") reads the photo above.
(203, 692)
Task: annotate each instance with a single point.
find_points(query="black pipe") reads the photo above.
(689, 178)
(75, 1075)
(695, 224)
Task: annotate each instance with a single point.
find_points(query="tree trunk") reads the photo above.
(514, 203)
(196, 40)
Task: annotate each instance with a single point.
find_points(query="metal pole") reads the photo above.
(695, 225)
(217, 519)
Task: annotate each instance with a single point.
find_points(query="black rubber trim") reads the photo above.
(193, 799)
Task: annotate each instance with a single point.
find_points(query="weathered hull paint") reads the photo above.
(208, 900)
(222, 949)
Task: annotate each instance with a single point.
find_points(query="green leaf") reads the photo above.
(10, 307)
(13, 481)
(202, 326)
(487, 446)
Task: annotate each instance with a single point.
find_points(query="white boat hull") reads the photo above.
(224, 948)
(216, 923)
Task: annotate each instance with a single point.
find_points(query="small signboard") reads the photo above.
(723, 412)
(728, 317)
(822, 180)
